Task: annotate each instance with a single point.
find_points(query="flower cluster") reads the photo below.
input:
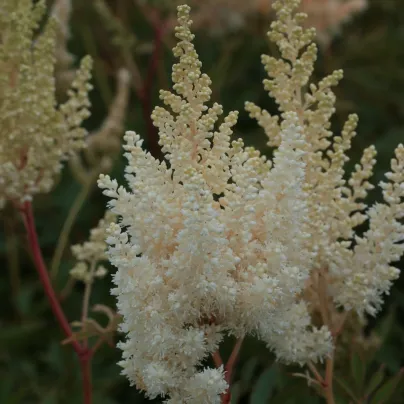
(213, 240)
(92, 252)
(349, 271)
(35, 133)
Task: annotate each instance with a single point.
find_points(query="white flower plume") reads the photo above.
(211, 241)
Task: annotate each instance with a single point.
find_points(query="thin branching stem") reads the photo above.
(229, 368)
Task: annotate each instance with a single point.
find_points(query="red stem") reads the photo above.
(85, 365)
(217, 359)
(82, 352)
(226, 397)
(43, 275)
(232, 360)
(229, 369)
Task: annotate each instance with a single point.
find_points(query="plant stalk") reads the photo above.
(82, 352)
(226, 397)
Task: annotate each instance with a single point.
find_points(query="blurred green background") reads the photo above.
(34, 366)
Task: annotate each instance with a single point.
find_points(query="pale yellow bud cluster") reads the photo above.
(91, 253)
(36, 135)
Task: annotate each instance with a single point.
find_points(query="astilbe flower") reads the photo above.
(92, 253)
(211, 241)
(35, 133)
(349, 271)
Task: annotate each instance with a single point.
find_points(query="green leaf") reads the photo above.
(374, 382)
(25, 299)
(386, 391)
(6, 389)
(386, 324)
(358, 371)
(345, 387)
(236, 392)
(247, 372)
(50, 398)
(14, 334)
(263, 389)
(290, 392)
(54, 357)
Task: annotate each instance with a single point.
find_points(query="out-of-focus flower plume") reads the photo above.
(36, 134)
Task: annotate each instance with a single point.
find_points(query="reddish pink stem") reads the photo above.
(83, 353)
(230, 368)
(43, 275)
(226, 397)
(85, 365)
(217, 359)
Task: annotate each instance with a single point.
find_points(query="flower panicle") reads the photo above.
(36, 134)
(210, 241)
(357, 269)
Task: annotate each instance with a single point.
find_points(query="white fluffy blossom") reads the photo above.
(349, 272)
(363, 274)
(212, 240)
